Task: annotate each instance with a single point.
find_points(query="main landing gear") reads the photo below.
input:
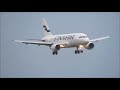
(55, 52)
(78, 51)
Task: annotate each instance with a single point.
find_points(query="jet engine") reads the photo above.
(89, 46)
(55, 47)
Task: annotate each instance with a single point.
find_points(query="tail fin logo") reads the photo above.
(44, 26)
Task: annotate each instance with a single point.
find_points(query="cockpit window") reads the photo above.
(82, 36)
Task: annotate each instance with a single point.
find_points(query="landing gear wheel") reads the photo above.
(55, 52)
(77, 51)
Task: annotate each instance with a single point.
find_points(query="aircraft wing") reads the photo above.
(38, 42)
(99, 39)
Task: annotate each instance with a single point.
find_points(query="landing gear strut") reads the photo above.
(55, 52)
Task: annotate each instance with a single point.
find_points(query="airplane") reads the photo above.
(56, 42)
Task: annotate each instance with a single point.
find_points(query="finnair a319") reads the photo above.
(56, 42)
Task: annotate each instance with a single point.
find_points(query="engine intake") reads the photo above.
(89, 46)
(55, 47)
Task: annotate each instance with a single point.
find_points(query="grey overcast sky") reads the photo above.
(21, 61)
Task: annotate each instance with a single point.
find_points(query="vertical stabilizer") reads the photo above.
(46, 28)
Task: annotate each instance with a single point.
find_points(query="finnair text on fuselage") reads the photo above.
(66, 37)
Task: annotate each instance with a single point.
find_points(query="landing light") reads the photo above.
(62, 46)
(81, 46)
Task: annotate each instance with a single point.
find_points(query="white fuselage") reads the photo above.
(73, 40)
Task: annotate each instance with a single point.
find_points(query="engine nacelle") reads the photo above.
(55, 47)
(89, 46)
